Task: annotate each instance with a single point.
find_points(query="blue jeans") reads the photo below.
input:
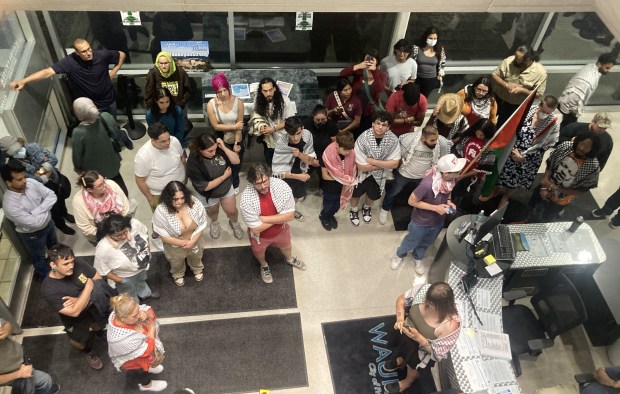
(41, 380)
(331, 205)
(418, 240)
(36, 243)
(135, 285)
(111, 109)
(397, 186)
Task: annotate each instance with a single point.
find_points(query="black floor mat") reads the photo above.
(355, 349)
(232, 283)
(221, 356)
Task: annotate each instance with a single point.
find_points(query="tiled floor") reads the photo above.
(349, 277)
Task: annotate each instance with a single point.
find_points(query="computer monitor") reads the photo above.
(492, 221)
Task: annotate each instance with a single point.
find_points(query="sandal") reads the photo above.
(179, 281)
(199, 277)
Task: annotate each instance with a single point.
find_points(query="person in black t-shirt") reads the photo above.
(80, 296)
(338, 170)
(599, 125)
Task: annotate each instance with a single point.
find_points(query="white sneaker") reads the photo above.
(156, 385)
(419, 267)
(236, 191)
(383, 216)
(395, 263)
(157, 369)
(133, 205)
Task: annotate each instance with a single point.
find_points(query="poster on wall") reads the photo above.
(131, 18)
(303, 21)
(190, 55)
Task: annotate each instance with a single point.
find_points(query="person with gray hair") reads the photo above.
(267, 205)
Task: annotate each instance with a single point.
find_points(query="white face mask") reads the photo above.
(431, 43)
(20, 154)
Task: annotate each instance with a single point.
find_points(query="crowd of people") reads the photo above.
(367, 142)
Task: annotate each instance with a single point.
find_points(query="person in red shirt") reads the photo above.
(267, 205)
(408, 107)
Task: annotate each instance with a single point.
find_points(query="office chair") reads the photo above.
(559, 308)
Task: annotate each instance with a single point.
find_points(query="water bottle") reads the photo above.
(576, 223)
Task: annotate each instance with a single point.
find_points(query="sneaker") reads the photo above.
(133, 206)
(157, 369)
(215, 229)
(395, 263)
(265, 274)
(179, 281)
(93, 360)
(334, 222)
(55, 388)
(298, 216)
(301, 199)
(236, 191)
(354, 218)
(383, 216)
(297, 263)
(613, 223)
(598, 214)
(199, 277)
(157, 242)
(419, 267)
(127, 141)
(156, 385)
(366, 214)
(237, 230)
(326, 223)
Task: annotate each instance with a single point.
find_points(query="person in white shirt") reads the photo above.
(159, 162)
(27, 203)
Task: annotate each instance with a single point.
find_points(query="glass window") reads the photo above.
(588, 35)
(476, 35)
(142, 43)
(335, 37)
(12, 43)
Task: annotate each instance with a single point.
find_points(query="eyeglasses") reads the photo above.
(482, 91)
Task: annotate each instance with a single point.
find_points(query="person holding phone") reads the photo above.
(427, 328)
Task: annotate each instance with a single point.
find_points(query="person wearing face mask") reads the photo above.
(540, 131)
(40, 164)
(515, 78)
(164, 110)
(420, 151)
(323, 129)
(430, 55)
(431, 202)
(368, 84)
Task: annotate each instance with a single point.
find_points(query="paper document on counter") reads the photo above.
(497, 371)
(475, 375)
(490, 322)
(494, 344)
(483, 298)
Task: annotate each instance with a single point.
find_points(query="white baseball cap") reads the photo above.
(451, 163)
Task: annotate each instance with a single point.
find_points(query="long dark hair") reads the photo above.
(484, 124)
(113, 224)
(167, 195)
(262, 105)
(470, 92)
(159, 93)
(422, 41)
(201, 142)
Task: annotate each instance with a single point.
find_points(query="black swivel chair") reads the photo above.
(559, 308)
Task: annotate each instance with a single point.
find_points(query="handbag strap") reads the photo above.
(546, 129)
(337, 96)
(367, 89)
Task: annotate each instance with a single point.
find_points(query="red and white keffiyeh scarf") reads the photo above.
(342, 171)
(440, 185)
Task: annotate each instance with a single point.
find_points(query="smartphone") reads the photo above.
(368, 58)
(407, 326)
(27, 360)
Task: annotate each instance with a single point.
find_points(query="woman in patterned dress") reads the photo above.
(539, 132)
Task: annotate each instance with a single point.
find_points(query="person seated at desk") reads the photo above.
(427, 328)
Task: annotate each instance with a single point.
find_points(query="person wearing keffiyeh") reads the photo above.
(431, 202)
(376, 153)
(339, 178)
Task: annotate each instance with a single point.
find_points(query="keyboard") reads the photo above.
(503, 245)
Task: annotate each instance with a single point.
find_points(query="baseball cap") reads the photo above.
(451, 163)
(602, 120)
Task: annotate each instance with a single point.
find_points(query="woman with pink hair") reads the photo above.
(225, 113)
